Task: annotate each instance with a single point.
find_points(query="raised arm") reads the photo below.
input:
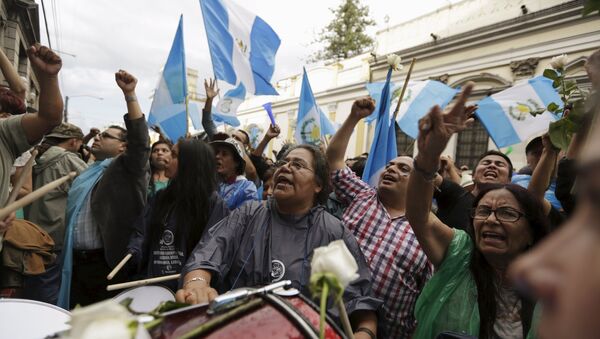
(12, 77)
(208, 124)
(272, 133)
(46, 65)
(435, 129)
(127, 83)
(336, 150)
(540, 179)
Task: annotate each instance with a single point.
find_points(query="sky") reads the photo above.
(97, 38)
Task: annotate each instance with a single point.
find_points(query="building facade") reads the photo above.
(493, 43)
(19, 28)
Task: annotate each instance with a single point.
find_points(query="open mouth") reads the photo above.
(490, 174)
(493, 236)
(283, 182)
(388, 177)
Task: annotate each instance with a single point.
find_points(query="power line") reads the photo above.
(46, 24)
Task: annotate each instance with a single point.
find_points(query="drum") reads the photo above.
(25, 319)
(263, 316)
(146, 298)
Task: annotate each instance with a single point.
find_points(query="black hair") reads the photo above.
(188, 195)
(484, 274)
(500, 154)
(535, 143)
(321, 170)
(359, 166)
(285, 148)
(123, 131)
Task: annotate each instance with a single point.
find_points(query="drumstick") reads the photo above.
(142, 282)
(21, 179)
(118, 267)
(33, 196)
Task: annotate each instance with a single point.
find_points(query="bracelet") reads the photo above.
(195, 279)
(367, 331)
(428, 176)
(130, 98)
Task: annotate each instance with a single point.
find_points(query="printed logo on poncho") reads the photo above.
(167, 238)
(277, 270)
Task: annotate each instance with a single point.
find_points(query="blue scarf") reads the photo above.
(80, 189)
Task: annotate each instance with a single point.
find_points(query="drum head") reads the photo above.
(146, 298)
(24, 319)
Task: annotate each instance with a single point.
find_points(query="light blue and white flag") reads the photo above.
(506, 115)
(168, 109)
(383, 148)
(242, 46)
(327, 127)
(418, 99)
(308, 124)
(226, 109)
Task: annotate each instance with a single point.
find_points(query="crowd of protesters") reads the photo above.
(497, 253)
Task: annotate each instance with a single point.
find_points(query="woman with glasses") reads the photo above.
(265, 242)
(470, 294)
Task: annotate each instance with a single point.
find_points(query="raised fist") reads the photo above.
(362, 108)
(43, 60)
(125, 81)
(273, 131)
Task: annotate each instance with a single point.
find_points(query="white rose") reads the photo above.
(106, 319)
(394, 61)
(559, 61)
(336, 259)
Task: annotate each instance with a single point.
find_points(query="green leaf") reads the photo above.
(570, 86)
(550, 74)
(590, 7)
(556, 83)
(561, 132)
(552, 107)
(168, 306)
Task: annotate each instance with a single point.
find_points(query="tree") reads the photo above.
(345, 36)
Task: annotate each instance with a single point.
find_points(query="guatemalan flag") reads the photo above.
(418, 99)
(226, 109)
(242, 46)
(308, 124)
(383, 148)
(168, 109)
(506, 115)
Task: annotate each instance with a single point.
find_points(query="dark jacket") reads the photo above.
(454, 205)
(120, 195)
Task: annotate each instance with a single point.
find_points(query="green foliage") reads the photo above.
(561, 132)
(345, 36)
(551, 74)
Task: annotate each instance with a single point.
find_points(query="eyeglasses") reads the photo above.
(295, 165)
(506, 214)
(107, 135)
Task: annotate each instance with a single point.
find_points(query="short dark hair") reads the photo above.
(359, 166)
(500, 154)
(321, 169)
(535, 143)
(123, 131)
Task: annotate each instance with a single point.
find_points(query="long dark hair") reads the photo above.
(188, 195)
(482, 271)
(152, 167)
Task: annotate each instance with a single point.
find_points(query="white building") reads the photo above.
(491, 42)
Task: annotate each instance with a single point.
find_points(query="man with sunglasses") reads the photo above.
(376, 217)
(104, 202)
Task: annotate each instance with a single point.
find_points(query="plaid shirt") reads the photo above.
(399, 267)
(86, 233)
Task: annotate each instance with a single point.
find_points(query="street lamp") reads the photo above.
(66, 113)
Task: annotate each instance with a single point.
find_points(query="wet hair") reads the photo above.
(123, 131)
(188, 195)
(482, 271)
(500, 154)
(10, 102)
(321, 170)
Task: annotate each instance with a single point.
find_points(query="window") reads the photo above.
(471, 143)
(404, 143)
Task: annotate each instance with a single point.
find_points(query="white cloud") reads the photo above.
(136, 35)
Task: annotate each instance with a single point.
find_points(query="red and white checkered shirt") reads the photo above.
(399, 266)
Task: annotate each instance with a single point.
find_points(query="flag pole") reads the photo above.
(187, 116)
(412, 64)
